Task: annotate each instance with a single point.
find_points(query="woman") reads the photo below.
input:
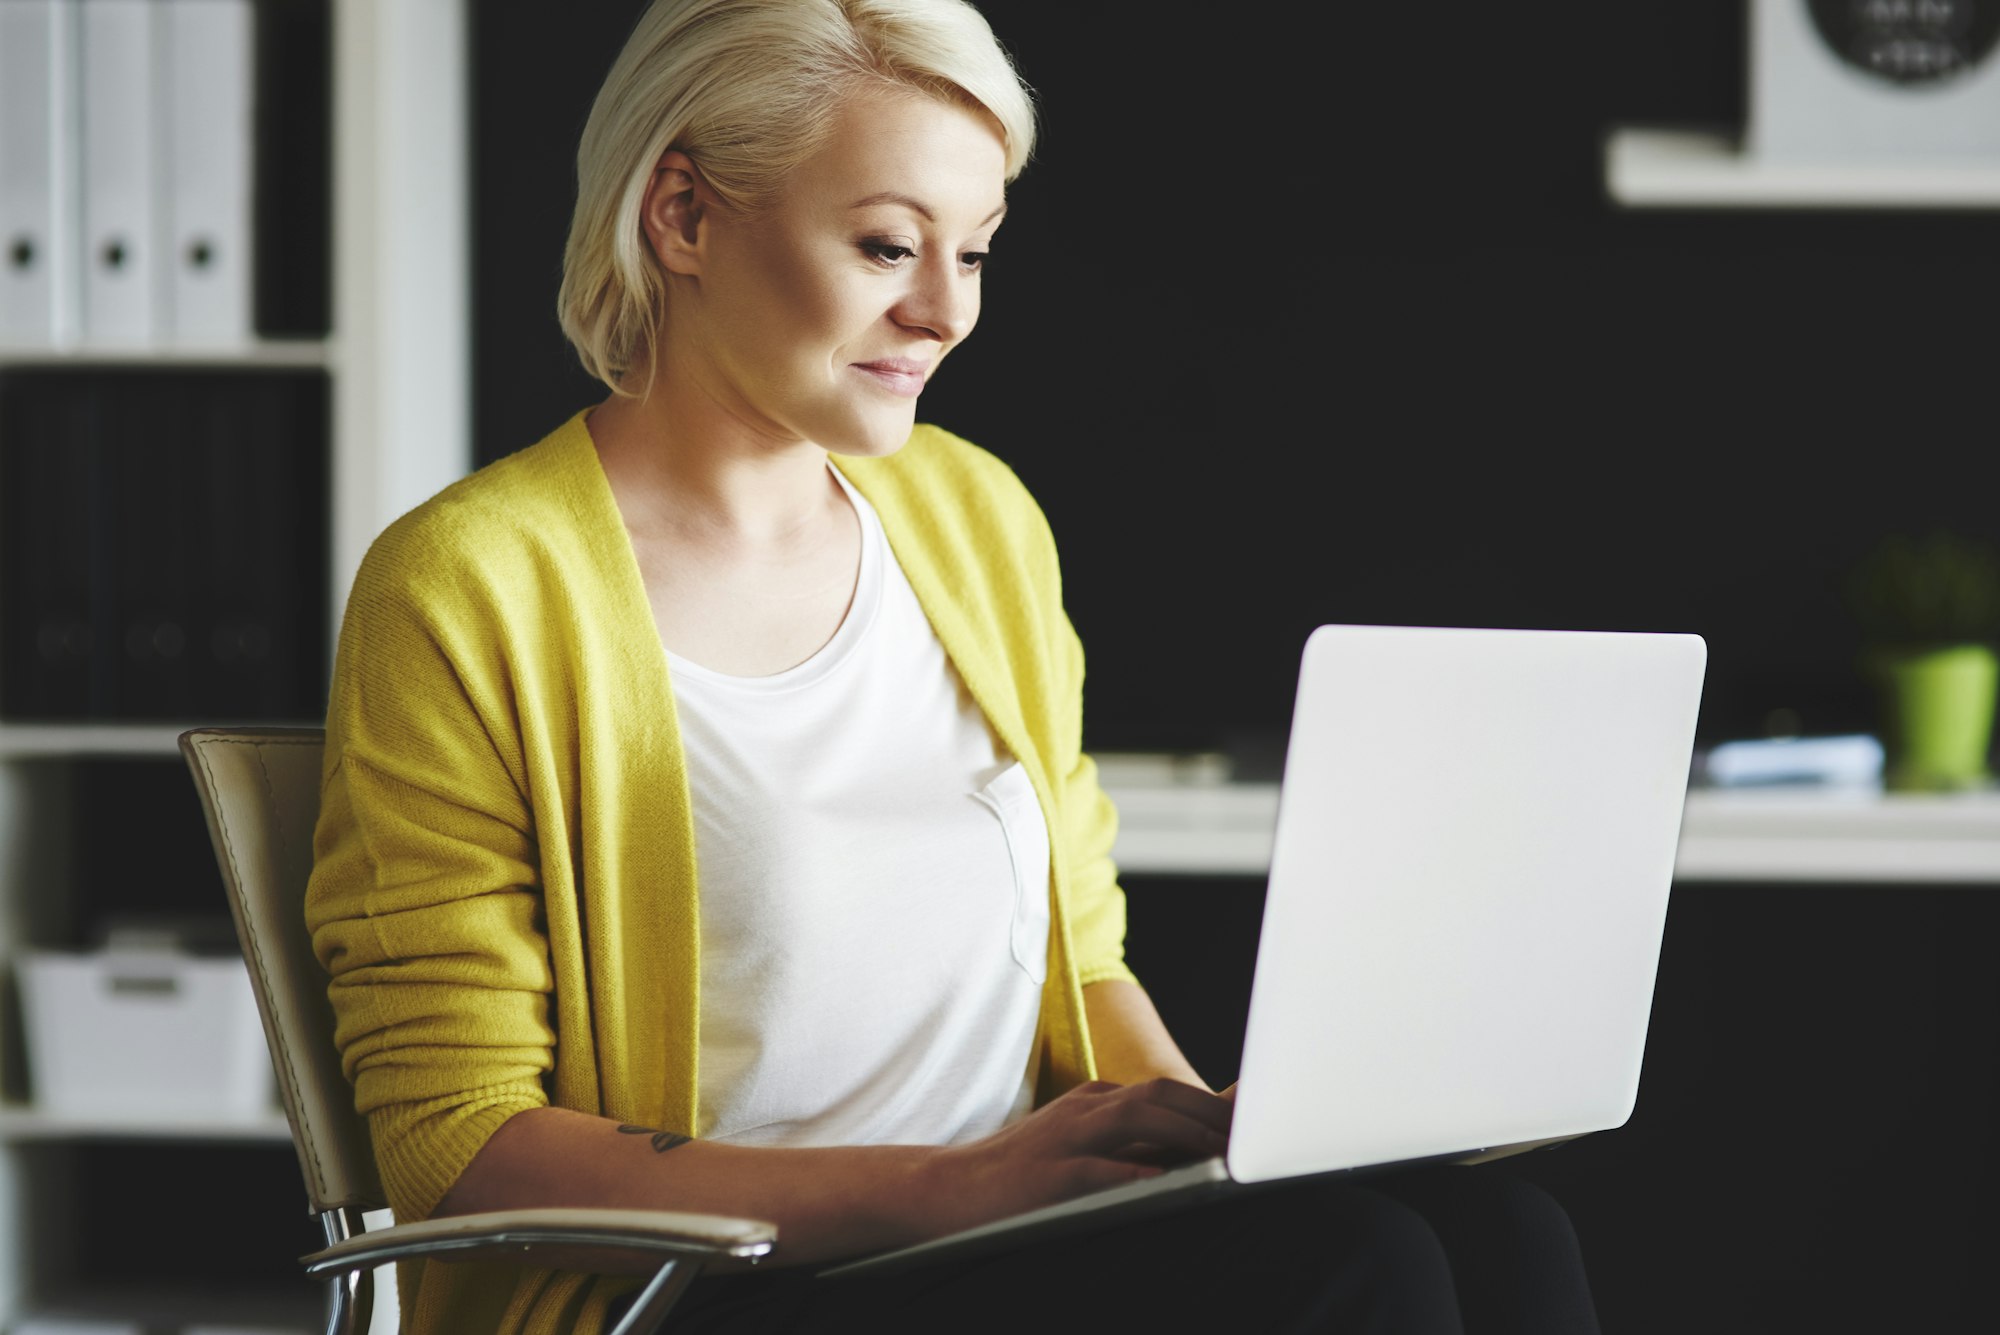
(713, 769)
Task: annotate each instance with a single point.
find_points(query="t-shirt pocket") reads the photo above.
(1011, 798)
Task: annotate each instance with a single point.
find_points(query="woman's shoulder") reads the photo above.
(513, 510)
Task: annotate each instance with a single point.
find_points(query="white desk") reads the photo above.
(1726, 835)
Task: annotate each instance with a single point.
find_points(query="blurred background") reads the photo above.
(1293, 323)
(1295, 319)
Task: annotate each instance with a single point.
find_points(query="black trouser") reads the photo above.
(1471, 1250)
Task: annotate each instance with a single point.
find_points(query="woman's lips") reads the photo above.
(898, 375)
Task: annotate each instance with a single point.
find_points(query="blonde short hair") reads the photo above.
(747, 89)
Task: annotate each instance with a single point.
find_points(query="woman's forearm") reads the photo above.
(825, 1202)
(834, 1202)
(1130, 1040)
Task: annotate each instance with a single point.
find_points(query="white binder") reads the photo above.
(205, 74)
(37, 173)
(118, 261)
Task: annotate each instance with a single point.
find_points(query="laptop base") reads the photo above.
(1174, 1189)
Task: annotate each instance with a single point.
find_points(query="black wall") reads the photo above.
(1316, 315)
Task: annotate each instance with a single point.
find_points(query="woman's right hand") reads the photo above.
(1094, 1136)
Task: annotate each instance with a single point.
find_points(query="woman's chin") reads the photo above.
(873, 440)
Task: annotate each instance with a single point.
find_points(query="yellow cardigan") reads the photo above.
(504, 887)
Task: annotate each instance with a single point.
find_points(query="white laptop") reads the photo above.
(1475, 839)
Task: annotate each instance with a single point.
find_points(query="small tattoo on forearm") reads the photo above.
(662, 1140)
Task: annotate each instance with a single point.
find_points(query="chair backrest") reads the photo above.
(260, 789)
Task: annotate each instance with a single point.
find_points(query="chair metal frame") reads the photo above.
(259, 790)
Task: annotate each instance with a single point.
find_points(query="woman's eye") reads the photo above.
(890, 253)
(973, 259)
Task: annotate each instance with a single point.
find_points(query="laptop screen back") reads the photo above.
(1475, 842)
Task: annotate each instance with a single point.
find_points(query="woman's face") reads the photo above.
(822, 317)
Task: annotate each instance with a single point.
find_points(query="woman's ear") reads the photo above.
(676, 205)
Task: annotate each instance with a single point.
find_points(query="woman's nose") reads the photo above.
(943, 300)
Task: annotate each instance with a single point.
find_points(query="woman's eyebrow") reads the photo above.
(915, 205)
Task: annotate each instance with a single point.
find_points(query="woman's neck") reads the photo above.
(683, 468)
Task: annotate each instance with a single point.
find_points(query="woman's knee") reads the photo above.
(1384, 1266)
(1513, 1249)
(1491, 1208)
(1394, 1236)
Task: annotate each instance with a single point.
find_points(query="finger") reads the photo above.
(1159, 1156)
(1121, 1125)
(1212, 1110)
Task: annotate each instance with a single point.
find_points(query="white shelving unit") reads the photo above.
(283, 353)
(25, 741)
(1832, 836)
(399, 370)
(28, 1124)
(1707, 169)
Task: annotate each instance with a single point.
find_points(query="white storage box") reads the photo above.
(73, 1325)
(143, 1033)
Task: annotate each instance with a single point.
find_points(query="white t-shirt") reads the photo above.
(874, 876)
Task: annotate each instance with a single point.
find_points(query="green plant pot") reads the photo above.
(1939, 707)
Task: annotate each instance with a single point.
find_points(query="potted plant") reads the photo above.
(1928, 609)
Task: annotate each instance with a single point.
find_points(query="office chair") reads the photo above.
(260, 790)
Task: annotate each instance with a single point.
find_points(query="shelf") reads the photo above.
(1846, 836)
(1195, 830)
(259, 1309)
(1853, 836)
(55, 741)
(20, 741)
(1668, 168)
(308, 353)
(18, 1123)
